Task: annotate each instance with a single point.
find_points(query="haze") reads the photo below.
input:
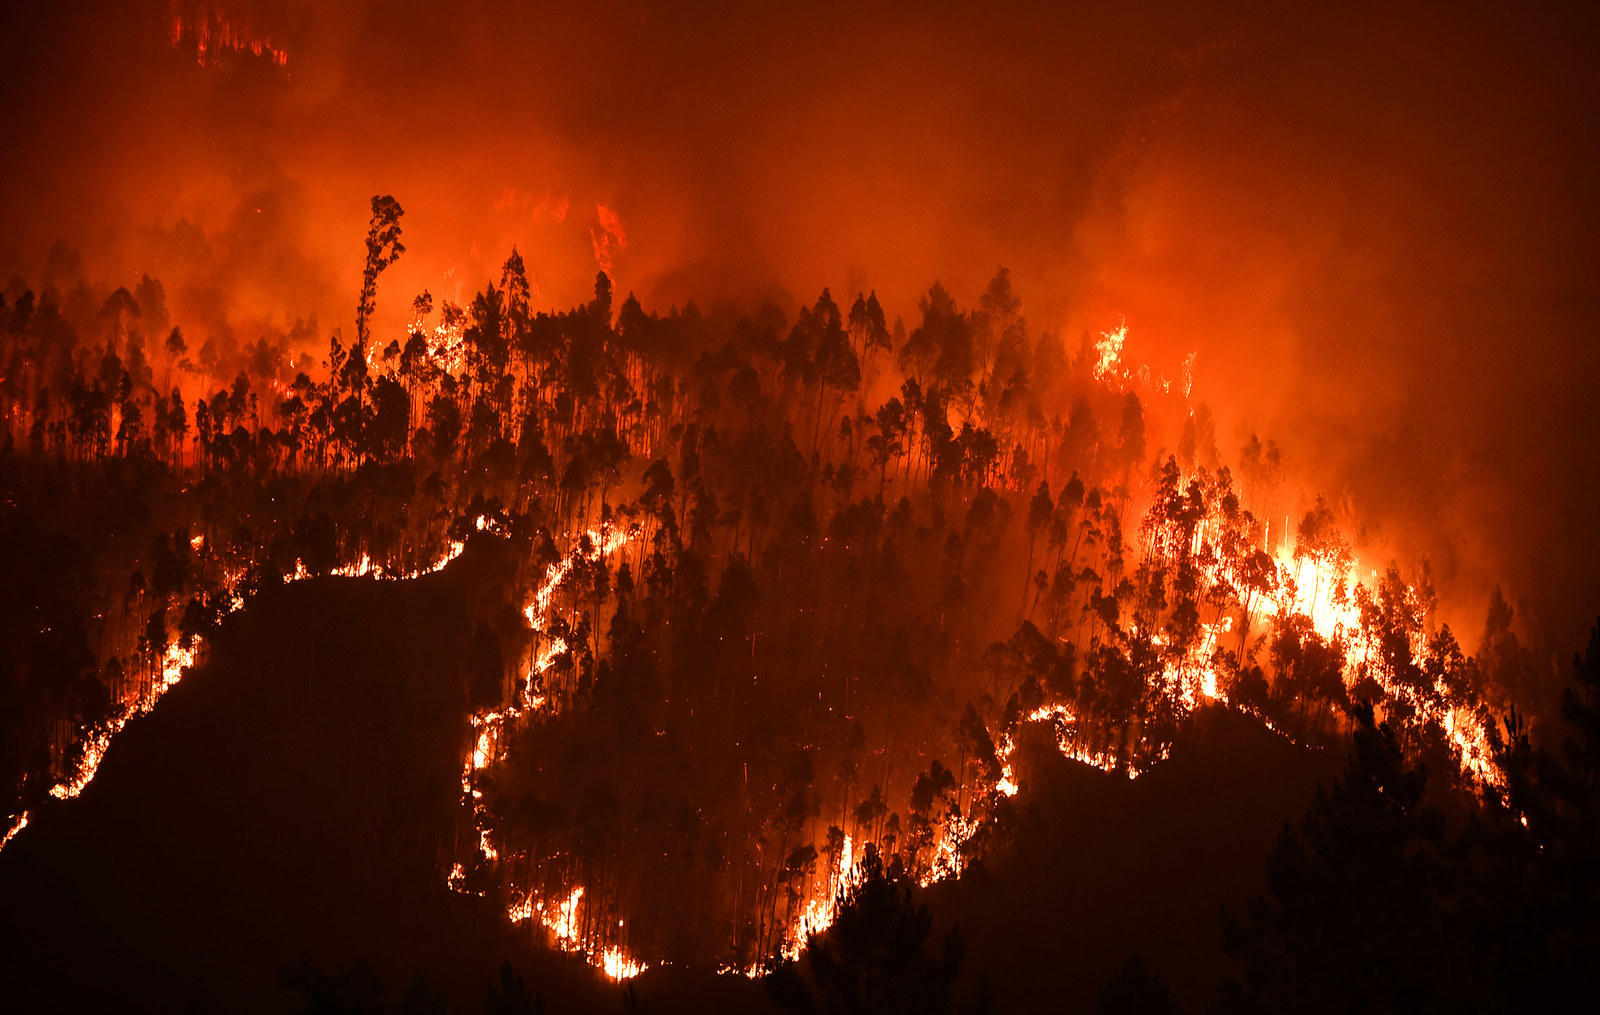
(1375, 224)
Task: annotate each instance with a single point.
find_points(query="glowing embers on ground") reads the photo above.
(1073, 744)
(589, 936)
(95, 744)
(367, 567)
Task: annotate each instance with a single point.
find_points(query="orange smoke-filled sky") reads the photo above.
(1375, 223)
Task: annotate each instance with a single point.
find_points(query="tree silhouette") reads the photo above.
(511, 997)
(1359, 903)
(1135, 989)
(356, 991)
(874, 958)
(383, 249)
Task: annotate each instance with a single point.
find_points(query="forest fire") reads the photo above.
(1194, 528)
(563, 923)
(770, 494)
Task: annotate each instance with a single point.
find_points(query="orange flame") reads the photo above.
(217, 35)
(611, 238)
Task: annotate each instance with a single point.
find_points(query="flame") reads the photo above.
(1108, 348)
(561, 918)
(173, 666)
(178, 660)
(18, 823)
(1302, 585)
(216, 35)
(611, 238)
(820, 910)
(1318, 589)
(1315, 588)
(618, 966)
(604, 545)
(1337, 618)
(562, 921)
(1073, 746)
(1007, 786)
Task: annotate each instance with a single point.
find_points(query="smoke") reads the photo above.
(1379, 240)
(1374, 225)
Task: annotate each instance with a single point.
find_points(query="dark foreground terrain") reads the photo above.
(296, 795)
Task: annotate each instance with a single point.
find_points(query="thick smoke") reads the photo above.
(1373, 225)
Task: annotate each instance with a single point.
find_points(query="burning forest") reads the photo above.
(733, 646)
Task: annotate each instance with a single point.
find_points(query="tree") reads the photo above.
(1136, 989)
(601, 306)
(869, 331)
(1317, 539)
(175, 347)
(1359, 903)
(354, 991)
(151, 298)
(512, 997)
(941, 346)
(516, 291)
(390, 419)
(835, 362)
(888, 441)
(999, 310)
(1041, 512)
(444, 422)
(359, 991)
(383, 249)
(1130, 434)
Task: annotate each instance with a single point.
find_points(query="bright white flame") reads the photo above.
(1109, 351)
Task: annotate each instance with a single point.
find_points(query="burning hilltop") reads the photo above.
(792, 591)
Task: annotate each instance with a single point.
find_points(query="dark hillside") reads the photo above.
(1100, 866)
(286, 798)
